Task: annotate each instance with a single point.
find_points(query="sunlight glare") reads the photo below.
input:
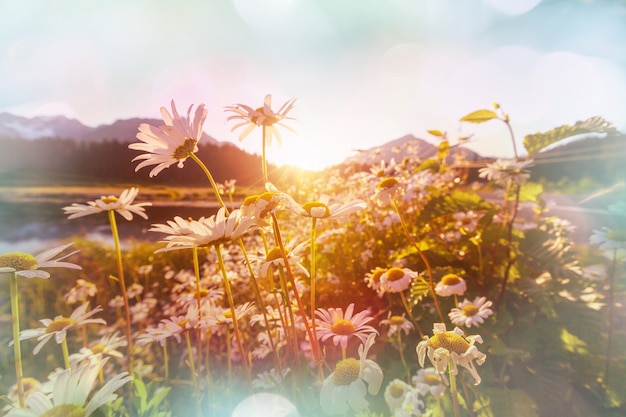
(514, 7)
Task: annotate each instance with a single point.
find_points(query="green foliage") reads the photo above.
(537, 141)
(479, 116)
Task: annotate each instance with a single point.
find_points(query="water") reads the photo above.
(35, 226)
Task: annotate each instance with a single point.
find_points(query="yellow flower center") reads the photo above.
(183, 323)
(432, 379)
(343, 327)
(377, 274)
(60, 324)
(65, 410)
(396, 390)
(396, 320)
(202, 292)
(347, 371)
(98, 348)
(30, 384)
(469, 310)
(311, 205)
(273, 255)
(450, 279)
(19, 261)
(395, 274)
(108, 200)
(387, 183)
(186, 149)
(268, 121)
(450, 341)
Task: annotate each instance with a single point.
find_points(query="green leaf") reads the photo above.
(479, 116)
(419, 290)
(442, 150)
(436, 133)
(537, 141)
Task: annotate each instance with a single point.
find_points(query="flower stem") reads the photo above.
(166, 360)
(196, 271)
(453, 391)
(231, 302)
(194, 375)
(120, 276)
(423, 257)
(313, 274)
(66, 353)
(263, 157)
(15, 314)
(211, 180)
(402, 358)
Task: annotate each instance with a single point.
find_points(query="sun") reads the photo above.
(302, 153)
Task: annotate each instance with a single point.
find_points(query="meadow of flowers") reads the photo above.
(397, 289)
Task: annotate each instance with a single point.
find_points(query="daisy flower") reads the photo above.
(81, 292)
(345, 388)
(172, 327)
(122, 205)
(70, 393)
(107, 345)
(451, 347)
(323, 209)
(608, 239)
(373, 279)
(387, 190)
(394, 394)
(471, 313)
(503, 171)
(171, 143)
(262, 116)
(450, 284)
(340, 326)
(260, 206)
(215, 230)
(397, 324)
(270, 379)
(273, 258)
(58, 327)
(28, 266)
(429, 381)
(397, 279)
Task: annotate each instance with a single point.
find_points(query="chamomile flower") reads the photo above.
(503, 171)
(397, 324)
(429, 381)
(471, 313)
(262, 116)
(273, 258)
(397, 279)
(171, 143)
(28, 266)
(214, 230)
(58, 327)
(453, 348)
(450, 284)
(340, 326)
(123, 205)
(70, 393)
(373, 280)
(346, 387)
(394, 394)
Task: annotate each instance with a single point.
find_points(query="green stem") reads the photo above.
(15, 314)
(453, 391)
(609, 337)
(313, 274)
(194, 375)
(315, 347)
(120, 276)
(423, 257)
(166, 363)
(66, 353)
(196, 270)
(409, 311)
(263, 156)
(231, 302)
(402, 358)
(211, 180)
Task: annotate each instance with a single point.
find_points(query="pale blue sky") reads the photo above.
(364, 72)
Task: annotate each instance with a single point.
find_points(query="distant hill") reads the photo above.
(397, 149)
(39, 127)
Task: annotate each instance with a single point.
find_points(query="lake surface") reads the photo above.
(35, 226)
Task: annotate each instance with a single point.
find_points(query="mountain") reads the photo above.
(39, 127)
(398, 148)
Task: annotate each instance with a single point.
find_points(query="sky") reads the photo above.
(363, 72)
